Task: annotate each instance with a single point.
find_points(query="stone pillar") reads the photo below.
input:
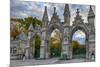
(65, 50)
(70, 52)
(66, 43)
(27, 47)
(42, 50)
(32, 49)
(87, 50)
(47, 49)
(91, 50)
(27, 53)
(91, 45)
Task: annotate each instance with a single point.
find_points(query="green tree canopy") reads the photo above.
(78, 48)
(75, 45)
(37, 41)
(27, 21)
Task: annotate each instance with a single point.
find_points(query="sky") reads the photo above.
(79, 36)
(22, 9)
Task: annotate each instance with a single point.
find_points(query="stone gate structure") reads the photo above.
(66, 30)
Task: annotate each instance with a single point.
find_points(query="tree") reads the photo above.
(14, 33)
(37, 46)
(55, 45)
(75, 46)
(82, 49)
(37, 41)
(34, 21)
(78, 48)
(23, 25)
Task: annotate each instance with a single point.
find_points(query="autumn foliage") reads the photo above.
(14, 33)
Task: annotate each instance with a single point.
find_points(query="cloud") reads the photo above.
(79, 36)
(21, 9)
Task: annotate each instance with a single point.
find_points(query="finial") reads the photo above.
(90, 7)
(91, 13)
(66, 5)
(54, 10)
(45, 7)
(77, 12)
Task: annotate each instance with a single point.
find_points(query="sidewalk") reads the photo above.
(30, 62)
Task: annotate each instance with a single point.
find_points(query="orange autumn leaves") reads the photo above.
(14, 33)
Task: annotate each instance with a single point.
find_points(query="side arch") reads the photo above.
(33, 45)
(85, 30)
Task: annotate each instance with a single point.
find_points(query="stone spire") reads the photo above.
(66, 10)
(45, 19)
(91, 17)
(54, 10)
(66, 15)
(78, 18)
(91, 13)
(55, 17)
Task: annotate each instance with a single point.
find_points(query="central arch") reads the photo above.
(52, 28)
(55, 43)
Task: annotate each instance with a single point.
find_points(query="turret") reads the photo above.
(91, 17)
(45, 19)
(66, 15)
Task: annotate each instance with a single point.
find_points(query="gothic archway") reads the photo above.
(55, 43)
(78, 44)
(51, 29)
(83, 29)
(37, 45)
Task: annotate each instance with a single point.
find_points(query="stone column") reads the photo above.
(70, 51)
(27, 52)
(91, 45)
(47, 49)
(87, 50)
(33, 49)
(42, 49)
(66, 43)
(64, 50)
